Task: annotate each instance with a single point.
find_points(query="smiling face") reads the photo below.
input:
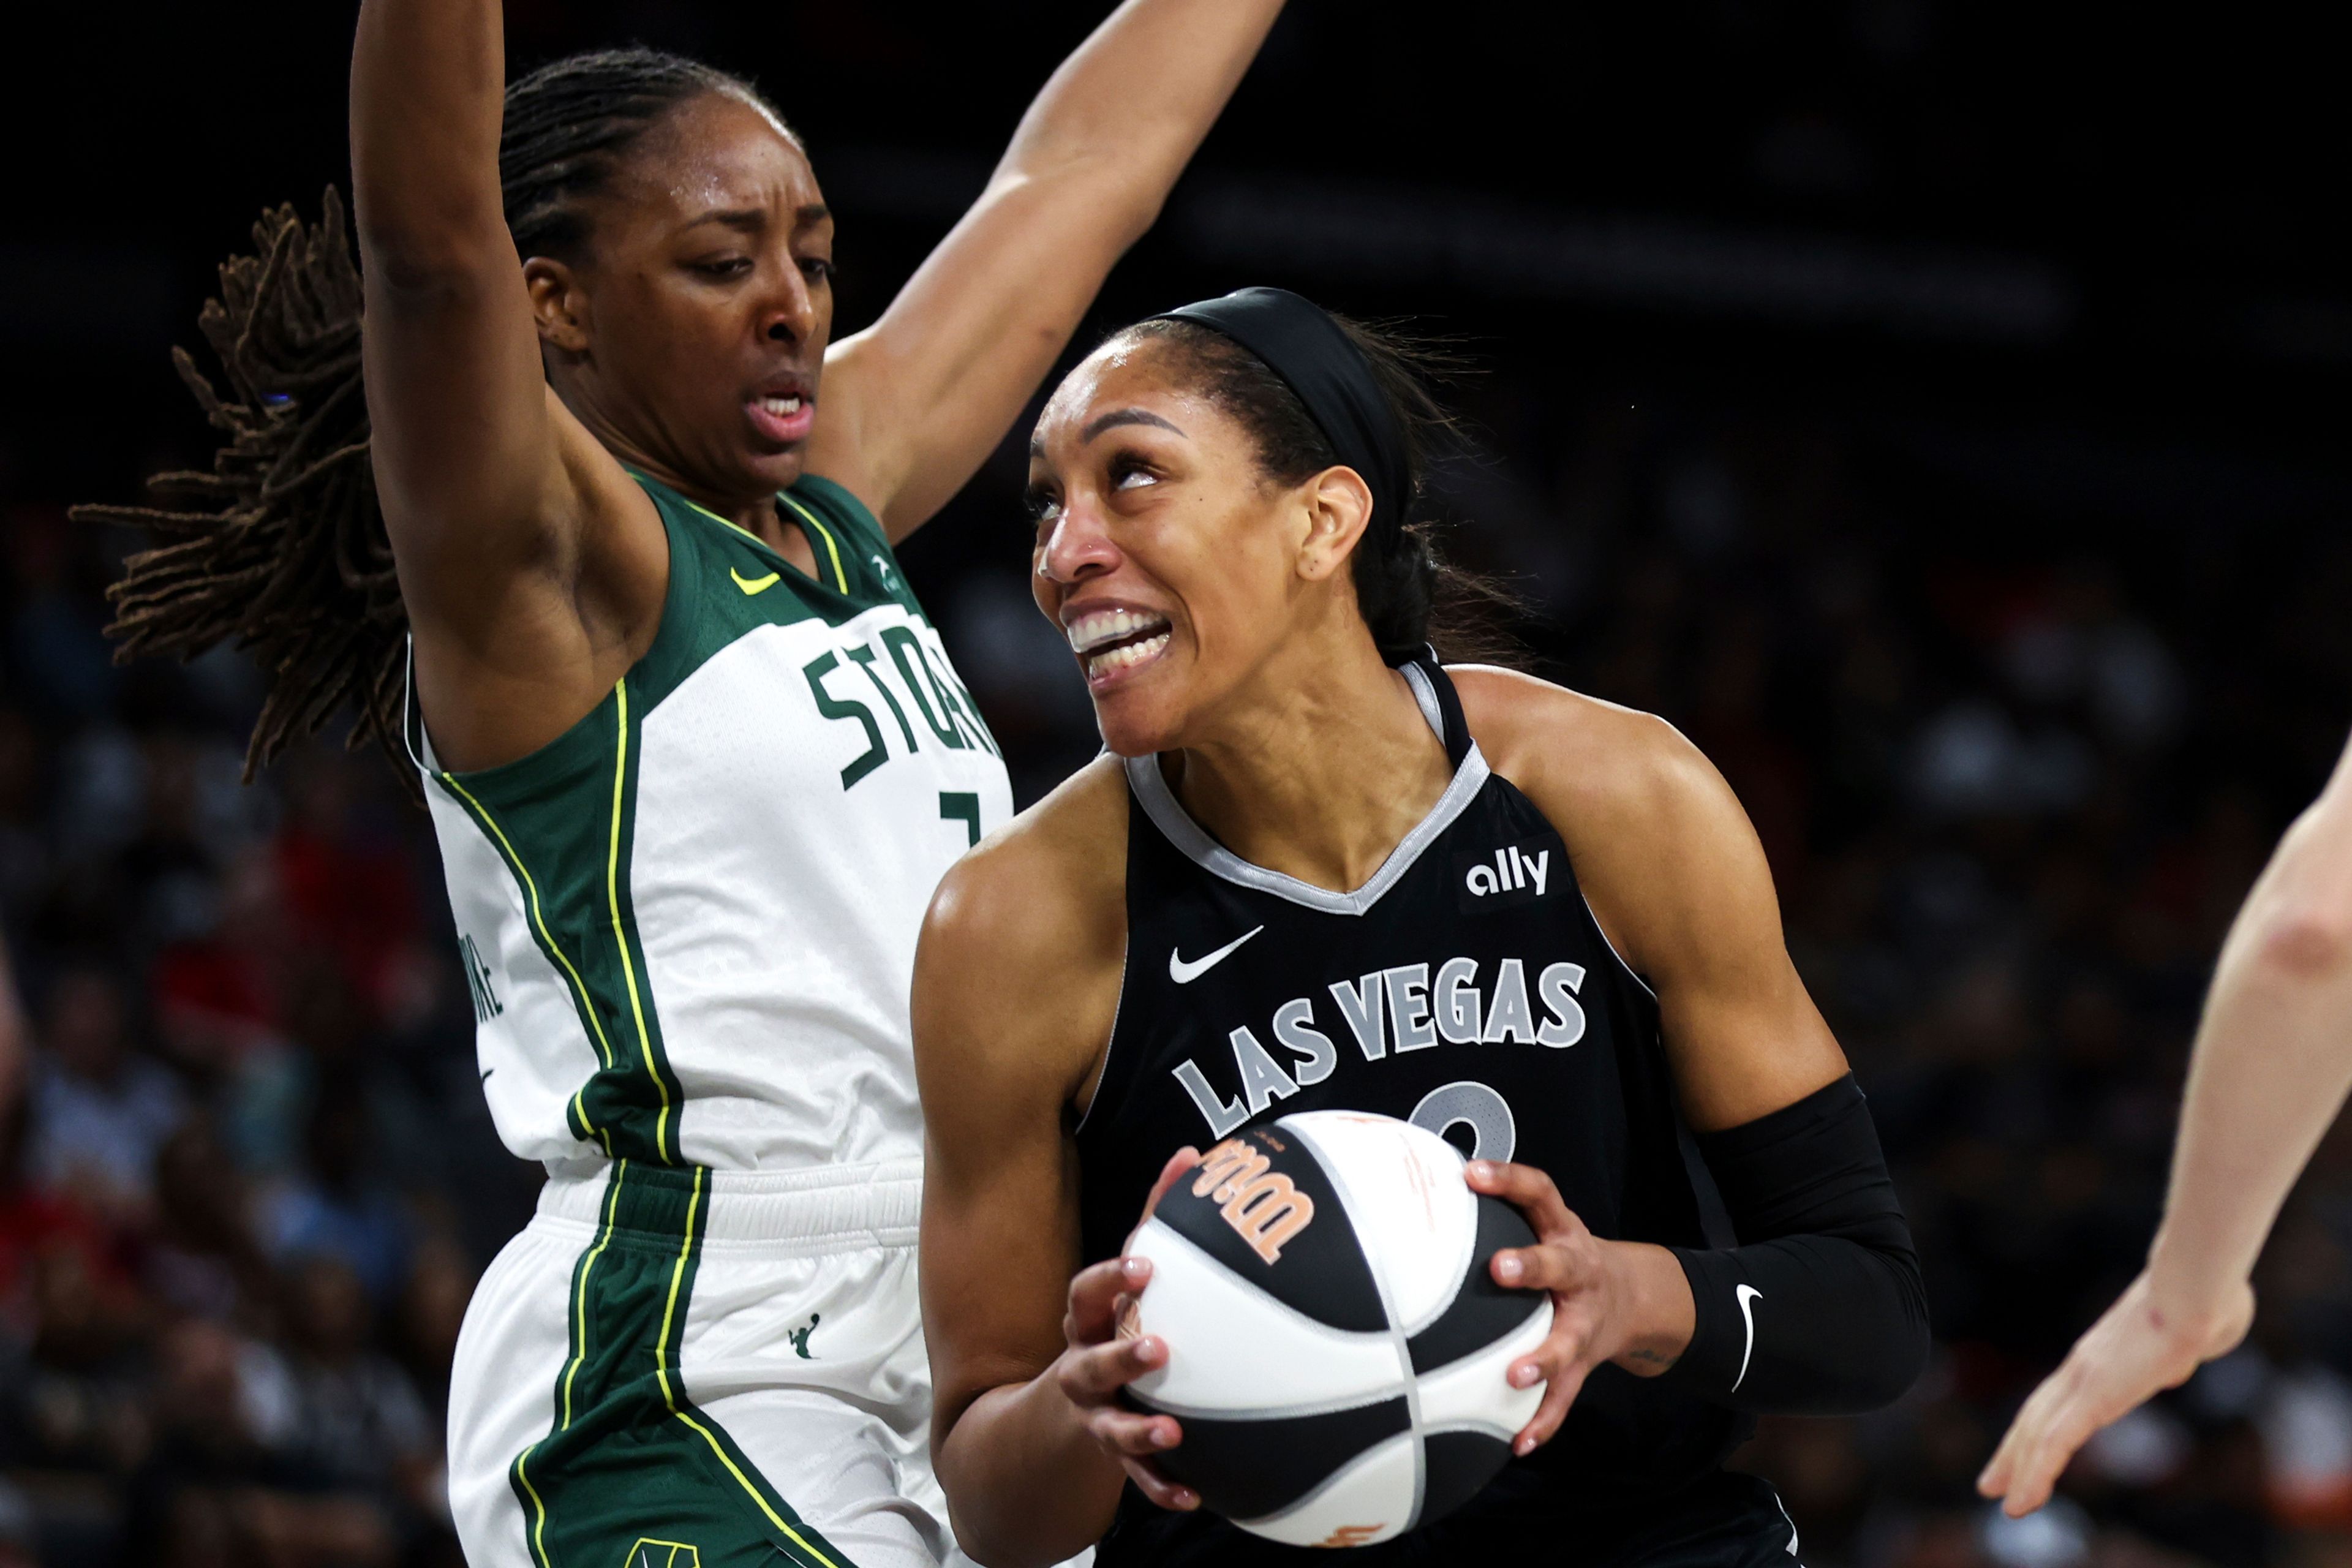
(689, 335)
(1181, 575)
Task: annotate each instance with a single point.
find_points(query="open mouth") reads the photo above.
(782, 416)
(1109, 642)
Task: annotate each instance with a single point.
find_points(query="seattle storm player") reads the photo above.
(695, 756)
(1319, 869)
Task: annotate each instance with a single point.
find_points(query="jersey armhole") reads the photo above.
(1110, 1040)
(1602, 932)
(1109, 1060)
(665, 663)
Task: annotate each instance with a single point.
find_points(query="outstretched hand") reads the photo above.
(1610, 1301)
(2132, 1352)
(1100, 1359)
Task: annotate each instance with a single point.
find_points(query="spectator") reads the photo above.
(101, 1109)
(335, 1208)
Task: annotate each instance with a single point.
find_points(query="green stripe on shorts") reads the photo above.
(630, 1467)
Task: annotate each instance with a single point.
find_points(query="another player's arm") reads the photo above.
(1675, 875)
(2269, 1073)
(1016, 981)
(483, 476)
(916, 402)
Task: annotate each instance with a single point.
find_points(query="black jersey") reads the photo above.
(1466, 988)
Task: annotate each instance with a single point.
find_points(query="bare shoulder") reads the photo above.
(1022, 952)
(1662, 848)
(1593, 766)
(1054, 870)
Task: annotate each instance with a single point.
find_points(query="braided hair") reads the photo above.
(1408, 592)
(280, 548)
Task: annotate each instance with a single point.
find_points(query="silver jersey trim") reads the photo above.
(1160, 802)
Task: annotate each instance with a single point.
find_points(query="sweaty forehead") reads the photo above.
(1125, 372)
(719, 151)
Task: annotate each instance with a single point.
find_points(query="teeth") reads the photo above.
(1089, 632)
(1123, 657)
(783, 407)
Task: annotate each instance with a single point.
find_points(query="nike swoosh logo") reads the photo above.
(755, 584)
(1748, 1295)
(1183, 972)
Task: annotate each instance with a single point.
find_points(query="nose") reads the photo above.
(788, 315)
(1077, 548)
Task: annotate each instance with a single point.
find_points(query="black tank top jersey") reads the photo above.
(1465, 987)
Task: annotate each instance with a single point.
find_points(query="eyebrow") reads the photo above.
(750, 218)
(1110, 421)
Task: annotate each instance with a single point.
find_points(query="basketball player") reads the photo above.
(694, 755)
(2268, 1074)
(1317, 870)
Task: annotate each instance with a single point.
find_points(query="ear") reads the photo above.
(558, 304)
(1339, 507)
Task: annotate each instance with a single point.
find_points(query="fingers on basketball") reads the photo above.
(1095, 1292)
(1563, 1381)
(1178, 1163)
(1166, 1494)
(1531, 1191)
(1093, 1376)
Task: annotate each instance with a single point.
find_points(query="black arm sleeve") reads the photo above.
(1821, 1309)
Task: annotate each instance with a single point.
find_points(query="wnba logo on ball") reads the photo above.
(1264, 1207)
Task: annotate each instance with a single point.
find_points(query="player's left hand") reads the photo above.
(2139, 1347)
(1605, 1297)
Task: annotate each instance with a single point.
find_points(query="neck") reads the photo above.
(755, 514)
(1319, 768)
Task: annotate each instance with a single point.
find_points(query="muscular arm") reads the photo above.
(2269, 1073)
(483, 476)
(1015, 983)
(918, 400)
(1679, 883)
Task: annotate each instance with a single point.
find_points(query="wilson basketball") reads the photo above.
(1336, 1346)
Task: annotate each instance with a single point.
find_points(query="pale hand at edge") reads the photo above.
(2133, 1351)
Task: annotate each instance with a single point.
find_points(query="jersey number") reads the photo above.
(1494, 1132)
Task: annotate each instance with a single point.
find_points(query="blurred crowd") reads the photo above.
(245, 1177)
(2013, 774)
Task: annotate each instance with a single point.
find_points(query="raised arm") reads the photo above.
(488, 484)
(916, 402)
(2269, 1073)
(457, 402)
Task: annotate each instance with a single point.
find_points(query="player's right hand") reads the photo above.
(2135, 1351)
(1102, 1355)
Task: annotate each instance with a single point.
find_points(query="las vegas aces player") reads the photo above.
(1317, 870)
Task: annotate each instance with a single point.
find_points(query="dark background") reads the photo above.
(1935, 409)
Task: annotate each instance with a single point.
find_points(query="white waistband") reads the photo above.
(877, 1204)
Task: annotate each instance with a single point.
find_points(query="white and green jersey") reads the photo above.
(688, 922)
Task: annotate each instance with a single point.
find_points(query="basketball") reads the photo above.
(1337, 1348)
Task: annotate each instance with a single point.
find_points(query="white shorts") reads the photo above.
(701, 1370)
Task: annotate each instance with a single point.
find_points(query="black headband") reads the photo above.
(1303, 345)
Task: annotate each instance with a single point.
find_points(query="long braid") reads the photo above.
(283, 549)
